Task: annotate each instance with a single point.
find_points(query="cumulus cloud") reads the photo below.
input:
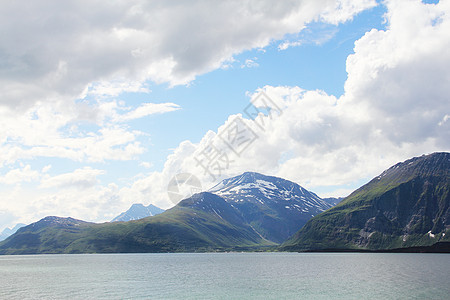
(81, 178)
(60, 130)
(52, 50)
(402, 72)
(250, 63)
(25, 174)
(287, 44)
(395, 106)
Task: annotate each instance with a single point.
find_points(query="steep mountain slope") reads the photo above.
(204, 222)
(274, 207)
(138, 211)
(405, 206)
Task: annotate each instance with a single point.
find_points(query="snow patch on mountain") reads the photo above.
(255, 187)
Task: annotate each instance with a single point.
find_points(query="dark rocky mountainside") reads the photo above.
(405, 206)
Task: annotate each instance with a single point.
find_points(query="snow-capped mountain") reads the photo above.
(275, 207)
(10, 231)
(255, 187)
(138, 211)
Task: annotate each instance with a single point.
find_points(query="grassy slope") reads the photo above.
(181, 228)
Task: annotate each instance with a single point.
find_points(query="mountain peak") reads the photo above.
(60, 220)
(137, 205)
(138, 211)
(10, 231)
(286, 205)
(247, 177)
(53, 221)
(263, 186)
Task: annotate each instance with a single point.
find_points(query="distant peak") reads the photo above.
(55, 218)
(137, 205)
(138, 211)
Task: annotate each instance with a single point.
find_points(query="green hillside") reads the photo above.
(189, 226)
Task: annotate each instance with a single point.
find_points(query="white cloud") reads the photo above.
(79, 131)
(57, 52)
(146, 164)
(115, 88)
(46, 168)
(315, 33)
(25, 174)
(288, 44)
(81, 179)
(343, 10)
(147, 109)
(29, 137)
(250, 63)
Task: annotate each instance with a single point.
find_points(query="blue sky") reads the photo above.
(103, 104)
(214, 96)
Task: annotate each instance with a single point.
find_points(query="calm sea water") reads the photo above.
(226, 276)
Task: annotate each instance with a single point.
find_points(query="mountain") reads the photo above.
(203, 222)
(333, 201)
(48, 235)
(245, 212)
(405, 206)
(138, 211)
(276, 208)
(7, 231)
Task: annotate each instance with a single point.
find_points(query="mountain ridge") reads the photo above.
(182, 228)
(407, 205)
(405, 208)
(250, 211)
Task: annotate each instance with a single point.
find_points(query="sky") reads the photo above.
(107, 103)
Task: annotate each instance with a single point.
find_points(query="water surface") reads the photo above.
(226, 276)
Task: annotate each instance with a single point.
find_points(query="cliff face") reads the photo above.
(405, 206)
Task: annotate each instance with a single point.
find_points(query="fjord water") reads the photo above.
(226, 276)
